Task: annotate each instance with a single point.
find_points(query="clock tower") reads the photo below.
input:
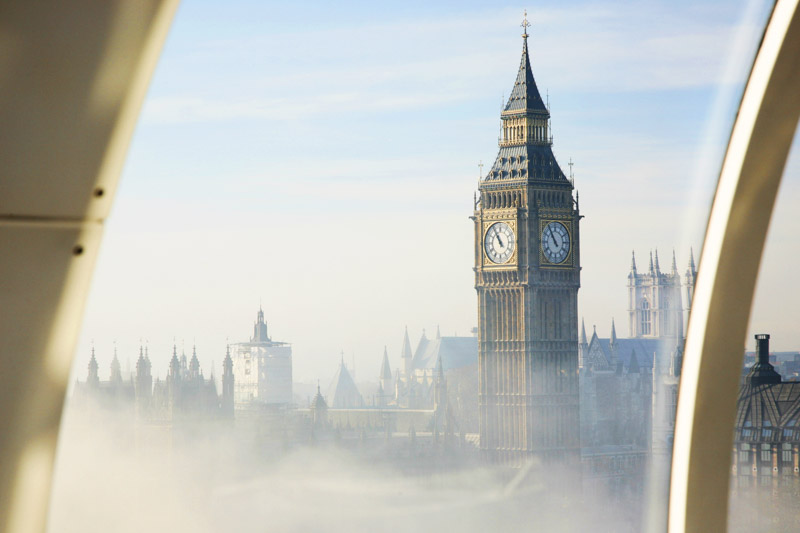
(527, 275)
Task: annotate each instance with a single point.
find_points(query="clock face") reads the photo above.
(555, 242)
(499, 242)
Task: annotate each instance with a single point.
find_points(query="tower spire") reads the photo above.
(651, 262)
(633, 261)
(658, 269)
(583, 332)
(525, 25)
(613, 332)
(691, 260)
(674, 263)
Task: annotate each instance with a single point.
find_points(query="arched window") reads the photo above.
(645, 318)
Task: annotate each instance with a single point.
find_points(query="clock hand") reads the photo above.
(553, 238)
(500, 241)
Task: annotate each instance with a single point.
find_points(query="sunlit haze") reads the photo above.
(321, 163)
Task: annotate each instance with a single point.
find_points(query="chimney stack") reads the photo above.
(762, 348)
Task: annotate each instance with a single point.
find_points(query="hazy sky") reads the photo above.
(322, 161)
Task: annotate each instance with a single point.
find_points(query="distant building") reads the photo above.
(262, 368)
(343, 393)
(412, 385)
(185, 395)
(655, 307)
(767, 437)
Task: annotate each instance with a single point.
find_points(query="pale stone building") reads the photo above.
(262, 368)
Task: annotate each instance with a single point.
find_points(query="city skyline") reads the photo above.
(307, 144)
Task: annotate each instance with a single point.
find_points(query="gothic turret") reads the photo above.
(583, 346)
(174, 366)
(144, 383)
(385, 378)
(613, 332)
(260, 328)
(227, 383)
(406, 354)
(116, 369)
(319, 411)
(92, 378)
(691, 279)
(194, 365)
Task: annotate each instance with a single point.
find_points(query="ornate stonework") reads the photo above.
(527, 303)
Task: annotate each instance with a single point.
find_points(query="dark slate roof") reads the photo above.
(639, 350)
(772, 407)
(456, 352)
(386, 370)
(525, 95)
(343, 392)
(531, 162)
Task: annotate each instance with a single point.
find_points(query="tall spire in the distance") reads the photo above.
(525, 96)
(583, 332)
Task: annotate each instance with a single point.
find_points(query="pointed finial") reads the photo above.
(583, 332)
(613, 331)
(525, 25)
(633, 261)
(651, 261)
(691, 259)
(674, 262)
(658, 269)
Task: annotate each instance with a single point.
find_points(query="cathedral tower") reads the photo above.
(655, 307)
(527, 275)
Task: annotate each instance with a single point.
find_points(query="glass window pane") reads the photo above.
(342, 290)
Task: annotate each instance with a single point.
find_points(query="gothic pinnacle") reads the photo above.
(674, 263)
(633, 261)
(658, 269)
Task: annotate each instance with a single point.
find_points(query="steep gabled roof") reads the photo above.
(455, 352)
(386, 370)
(343, 392)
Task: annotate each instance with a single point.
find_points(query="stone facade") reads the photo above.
(262, 368)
